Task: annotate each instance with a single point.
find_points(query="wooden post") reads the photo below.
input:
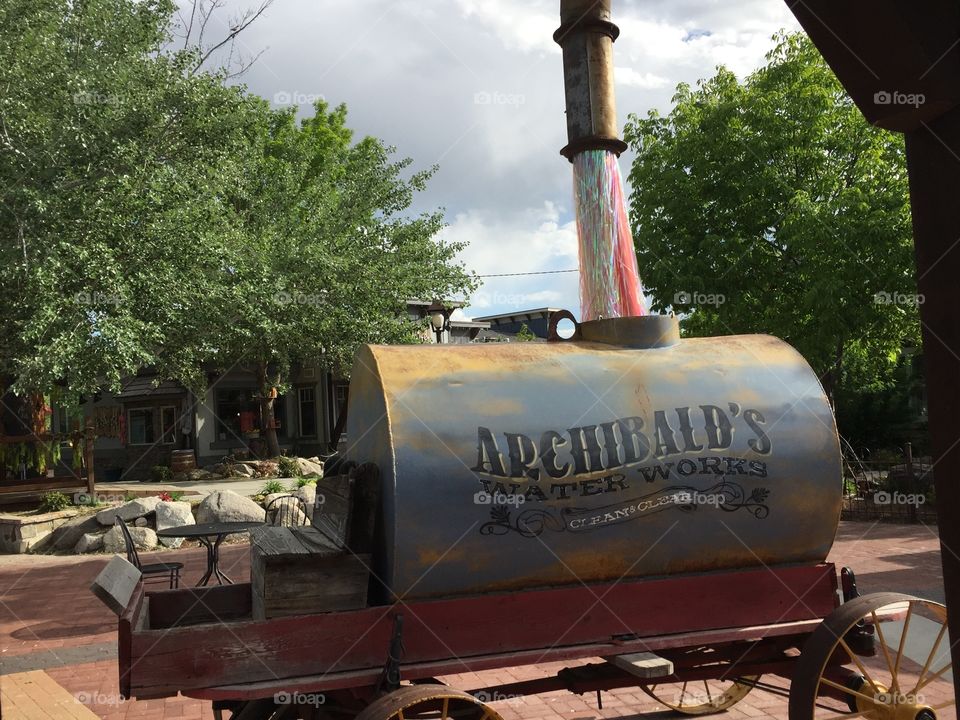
(88, 440)
(933, 159)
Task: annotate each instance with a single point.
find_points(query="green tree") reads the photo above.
(112, 155)
(323, 252)
(525, 334)
(770, 205)
(154, 215)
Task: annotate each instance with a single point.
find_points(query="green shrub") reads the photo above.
(53, 501)
(272, 486)
(288, 467)
(161, 474)
(306, 480)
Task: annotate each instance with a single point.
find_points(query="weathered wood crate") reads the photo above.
(299, 571)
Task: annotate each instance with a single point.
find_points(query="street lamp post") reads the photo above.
(439, 320)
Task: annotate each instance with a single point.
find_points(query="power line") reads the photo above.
(541, 272)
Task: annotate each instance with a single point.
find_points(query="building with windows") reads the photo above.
(138, 427)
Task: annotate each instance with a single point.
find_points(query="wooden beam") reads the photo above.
(644, 665)
(897, 59)
(933, 160)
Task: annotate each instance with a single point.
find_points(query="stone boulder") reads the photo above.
(270, 497)
(173, 514)
(228, 506)
(88, 543)
(200, 475)
(242, 470)
(308, 493)
(128, 511)
(310, 467)
(286, 511)
(143, 539)
(68, 535)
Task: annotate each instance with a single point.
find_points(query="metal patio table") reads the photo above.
(204, 532)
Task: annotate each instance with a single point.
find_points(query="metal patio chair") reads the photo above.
(157, 570)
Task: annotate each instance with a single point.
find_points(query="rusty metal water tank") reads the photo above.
(626, 452)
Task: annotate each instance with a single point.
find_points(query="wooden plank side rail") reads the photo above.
(192, 658)
(419, 671)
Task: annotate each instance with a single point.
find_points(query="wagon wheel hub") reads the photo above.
(888, 705)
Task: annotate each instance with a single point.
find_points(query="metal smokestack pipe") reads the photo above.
(586, 36)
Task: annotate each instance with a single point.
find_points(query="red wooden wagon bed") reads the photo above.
(715, 631)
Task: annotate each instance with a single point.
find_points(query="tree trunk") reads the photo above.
(266, 411)
(831, 377)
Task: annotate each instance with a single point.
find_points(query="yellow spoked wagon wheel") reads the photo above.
(433, 702)
(883, 656)
(701, 697)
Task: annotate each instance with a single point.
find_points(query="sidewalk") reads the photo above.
(49, 620)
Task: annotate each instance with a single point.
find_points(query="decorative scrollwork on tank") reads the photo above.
(726, 496)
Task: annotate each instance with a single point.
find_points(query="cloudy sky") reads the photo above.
(475, 87)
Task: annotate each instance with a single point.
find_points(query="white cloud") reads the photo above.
(416, 73)
(631, 78)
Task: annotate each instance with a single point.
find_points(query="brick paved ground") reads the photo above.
(49, 620)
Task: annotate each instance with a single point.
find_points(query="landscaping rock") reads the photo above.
(129, 510)
(308, 493)
(68, 535)
(243, 470)
(310, 467)
(180, 477)
(141, 522)
(286, 511)
(273, 496)
(173, 514)
(228, 506)
(199, 475)
(143, 539)
(88, 543)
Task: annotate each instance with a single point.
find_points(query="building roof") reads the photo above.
(518, 315)
(143, 387)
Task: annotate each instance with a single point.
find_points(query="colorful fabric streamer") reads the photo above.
(609, 280)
